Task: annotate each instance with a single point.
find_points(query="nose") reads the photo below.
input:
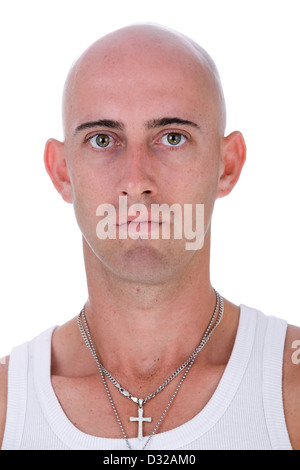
(137, 174)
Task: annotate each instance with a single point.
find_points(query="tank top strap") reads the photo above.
(272, 383)
(16, 397)
(19, 382)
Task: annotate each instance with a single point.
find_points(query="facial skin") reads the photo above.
(131, 80)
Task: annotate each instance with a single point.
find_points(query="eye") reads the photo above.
(174, 139)
(101, 141)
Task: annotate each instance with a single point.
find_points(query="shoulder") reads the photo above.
(291, 384)
(3, 394)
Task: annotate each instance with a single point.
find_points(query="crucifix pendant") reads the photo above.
(140, 420)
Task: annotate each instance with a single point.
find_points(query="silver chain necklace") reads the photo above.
(141, 401)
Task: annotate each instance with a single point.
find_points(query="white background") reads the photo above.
(255, 249)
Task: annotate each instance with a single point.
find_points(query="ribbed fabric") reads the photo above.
(273, 395)
(17, 399)
(245, 411)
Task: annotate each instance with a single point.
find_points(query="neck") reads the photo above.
(141, 328)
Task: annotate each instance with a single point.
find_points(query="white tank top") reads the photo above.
(245, 411)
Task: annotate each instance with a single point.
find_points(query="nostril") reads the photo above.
(136, 189)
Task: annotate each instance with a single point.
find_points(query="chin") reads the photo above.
(146, 263)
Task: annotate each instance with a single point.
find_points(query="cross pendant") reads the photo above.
(140, 420)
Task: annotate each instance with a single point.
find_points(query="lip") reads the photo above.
(139, 224)
(140, 228)
(127, 220)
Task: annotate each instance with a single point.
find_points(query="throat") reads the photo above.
(145, 369)
(149, 359)
(141, 380)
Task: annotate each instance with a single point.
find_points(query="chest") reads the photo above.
(86, 404)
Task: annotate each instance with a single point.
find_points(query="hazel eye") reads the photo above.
(100, 141)
(174, 139)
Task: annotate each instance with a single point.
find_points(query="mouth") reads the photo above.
(134, 221)
(135, 226)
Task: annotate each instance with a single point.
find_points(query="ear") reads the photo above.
(233, 159)
(56, 167)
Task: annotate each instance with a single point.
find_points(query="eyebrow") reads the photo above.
(166, 121)
(100, 123)
(154, 123)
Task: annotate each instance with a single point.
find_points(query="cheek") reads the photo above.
(85, 212)
(88, 182)
(202, 185)
(87, 194)
(197, 183)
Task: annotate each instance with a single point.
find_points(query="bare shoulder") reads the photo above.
(291, 384)
(3, 394)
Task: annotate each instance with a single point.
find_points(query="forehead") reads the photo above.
(144, 77)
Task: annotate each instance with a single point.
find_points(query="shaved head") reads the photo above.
(144, 117)
(147, 47)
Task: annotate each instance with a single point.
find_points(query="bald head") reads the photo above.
(144, 117)
(148, 48)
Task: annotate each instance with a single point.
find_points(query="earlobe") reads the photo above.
(56, 167)
(233, 159)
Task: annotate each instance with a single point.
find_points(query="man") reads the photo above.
(144, 122)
